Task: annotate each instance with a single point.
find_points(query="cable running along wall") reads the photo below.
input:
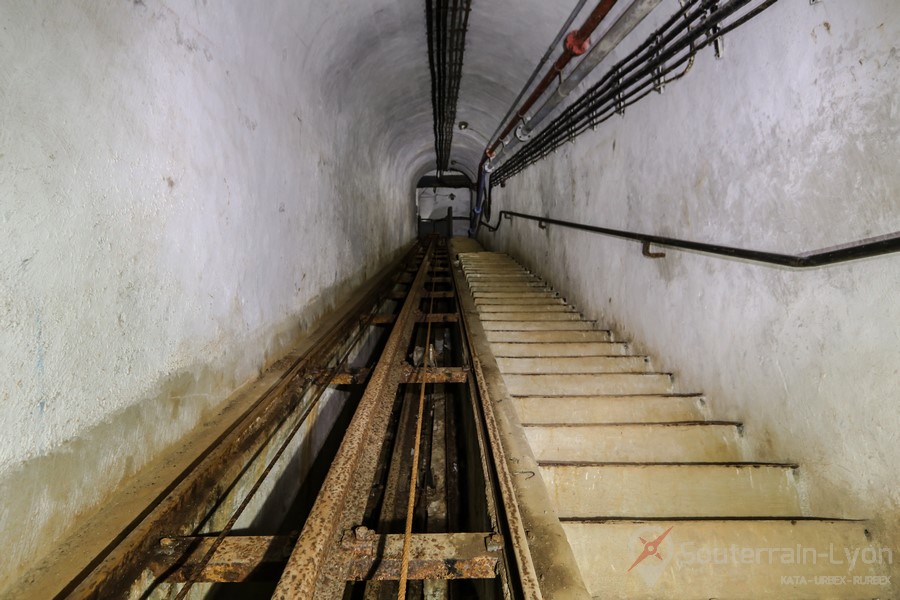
(447, 22)
(662, 58)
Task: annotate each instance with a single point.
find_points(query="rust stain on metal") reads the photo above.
(432, 556)
(270, 400)
(384, 319)
(308, 562)
(237, 559)
(439, 375)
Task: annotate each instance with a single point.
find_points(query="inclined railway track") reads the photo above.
(412, 496)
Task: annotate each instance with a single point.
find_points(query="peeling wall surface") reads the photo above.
(789, 143)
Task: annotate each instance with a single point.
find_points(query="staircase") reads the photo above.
(657, 498)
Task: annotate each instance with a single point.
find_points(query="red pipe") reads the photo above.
(576, 44)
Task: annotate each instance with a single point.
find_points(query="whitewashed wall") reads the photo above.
(789, 143)
(184, 187)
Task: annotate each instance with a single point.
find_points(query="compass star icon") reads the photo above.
(651, 548)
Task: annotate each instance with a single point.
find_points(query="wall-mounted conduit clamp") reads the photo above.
(659, 73)
(718, 40)
(523, 133)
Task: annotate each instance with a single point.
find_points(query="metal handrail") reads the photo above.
(854, 251)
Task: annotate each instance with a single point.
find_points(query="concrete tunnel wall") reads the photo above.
(789, 143)
(184, 188)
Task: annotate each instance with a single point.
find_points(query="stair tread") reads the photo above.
(555, 336)
(619, 449)
(583, 364)
(637, 442)
(588, 384)
(555, 305)
(544, 410)
(558, 350)
(579, 325)
(698, 489)
(547, 315)
(640, 424)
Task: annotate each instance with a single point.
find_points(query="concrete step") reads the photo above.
(574, 364)
(498, 269)
(533, 308)
(589, 384)
(534, 294)
(673, 490)
(698, 441)
(539, 325)
(540, 301)
(509, 288)
(487, 258)
(557, 350)
(493, 284)
(555, 337)
(536, 410)
(491, 267)
(509, 275)
(530, 316)
(728, 559)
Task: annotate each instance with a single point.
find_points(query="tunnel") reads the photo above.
(205, 203)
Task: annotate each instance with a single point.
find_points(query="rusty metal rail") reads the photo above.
(314, 569)
(459, 542)
(188, 502)
(320, 565)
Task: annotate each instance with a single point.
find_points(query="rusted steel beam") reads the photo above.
(440, 318)
(432, 318)
(243, 558)
(436, 295)
(348, 377)
(239, 558)
(313, 570)
(432, 555)
(441, 279)
(195, 492)
(351, 377)
(439, 375)
(383, 319)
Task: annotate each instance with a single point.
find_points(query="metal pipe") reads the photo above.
(854, 251)
(698, 24)
(624, 25)
(559, 36)
(575, 45)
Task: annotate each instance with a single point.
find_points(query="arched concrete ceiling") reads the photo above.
(371, 59)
